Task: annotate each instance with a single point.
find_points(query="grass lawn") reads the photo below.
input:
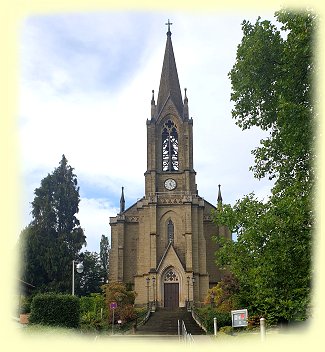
(46, 330)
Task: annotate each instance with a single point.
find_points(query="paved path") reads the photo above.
(156, 338)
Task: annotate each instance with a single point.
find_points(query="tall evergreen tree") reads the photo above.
(104, 257)
(54, 237)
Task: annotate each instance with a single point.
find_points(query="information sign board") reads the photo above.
(239, 318)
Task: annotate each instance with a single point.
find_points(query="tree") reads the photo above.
(104, 257)
(223, 295)
(91, 279)
(119, 293)
(54, 237)
(272, 89)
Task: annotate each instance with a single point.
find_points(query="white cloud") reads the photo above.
(102, 129)
(94, 218)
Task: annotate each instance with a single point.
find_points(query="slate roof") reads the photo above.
(169, 84)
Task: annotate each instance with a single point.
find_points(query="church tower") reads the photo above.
(162, 244)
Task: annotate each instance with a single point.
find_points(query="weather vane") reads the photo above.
(168, 24)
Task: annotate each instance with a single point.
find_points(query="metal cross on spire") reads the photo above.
(168, 24)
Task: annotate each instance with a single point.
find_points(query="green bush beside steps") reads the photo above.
(55, 310)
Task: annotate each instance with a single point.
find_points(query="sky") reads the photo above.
(85, 92)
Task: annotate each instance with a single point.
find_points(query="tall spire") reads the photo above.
(122, 202)
(169, 83)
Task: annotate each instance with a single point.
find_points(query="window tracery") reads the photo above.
(171, 276)
(170, 147)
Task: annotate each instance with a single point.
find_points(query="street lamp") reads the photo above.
(212, 299)
(80, 269)
(154, 292)
(148, 280)
(193, 280)
(188, 289)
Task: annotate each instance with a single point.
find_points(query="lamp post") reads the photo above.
(193, 280)
(80, 269)
(154, 292)
(148, 280)
(212, 299)
(188, 290)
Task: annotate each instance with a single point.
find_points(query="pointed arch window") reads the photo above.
(171, 276)
(170, 231)
(169, 147)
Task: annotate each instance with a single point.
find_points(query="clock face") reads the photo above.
(170, 184)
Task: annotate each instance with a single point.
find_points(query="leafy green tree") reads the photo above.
(54, 237)
(91, 279)
(272, 89)
(104, 257)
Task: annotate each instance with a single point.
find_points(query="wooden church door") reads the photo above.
(171, 294)
(171, 290)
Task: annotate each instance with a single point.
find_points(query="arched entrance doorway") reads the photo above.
(171, 289)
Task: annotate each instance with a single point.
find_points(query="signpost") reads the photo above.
(113, 306)
(239, 318)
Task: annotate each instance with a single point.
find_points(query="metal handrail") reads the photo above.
(183, 335)
(198, 320)
(138, 321)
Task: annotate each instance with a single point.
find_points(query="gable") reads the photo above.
(170, 258)
(168, 108)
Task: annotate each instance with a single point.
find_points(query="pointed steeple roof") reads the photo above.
(169, 83)
(219, 200)
(122, 202)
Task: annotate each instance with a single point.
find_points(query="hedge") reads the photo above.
(55, 309)
(207, 314)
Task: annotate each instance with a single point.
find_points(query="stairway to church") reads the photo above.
(165, 322)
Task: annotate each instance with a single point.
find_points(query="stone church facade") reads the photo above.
(162, 245)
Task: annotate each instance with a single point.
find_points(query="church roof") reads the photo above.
(169, 84)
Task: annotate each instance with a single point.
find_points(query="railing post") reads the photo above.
(113, 322)
(262, 328)
(179, 330)
(215, 327)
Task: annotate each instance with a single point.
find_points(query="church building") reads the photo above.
(162, 245)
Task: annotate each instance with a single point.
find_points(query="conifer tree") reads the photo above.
(104, 257)
(54, 237)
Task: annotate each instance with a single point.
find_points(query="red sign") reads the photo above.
(113, 305)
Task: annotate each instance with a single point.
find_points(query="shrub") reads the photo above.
(253, 321)
(207, 314)
(93, 303)
(93, 313)
(55, 310)
(225, 294)
(117, 292)
(25, 305)
(227, 330)
(91, 321)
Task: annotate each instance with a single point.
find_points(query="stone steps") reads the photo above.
(165, 322)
